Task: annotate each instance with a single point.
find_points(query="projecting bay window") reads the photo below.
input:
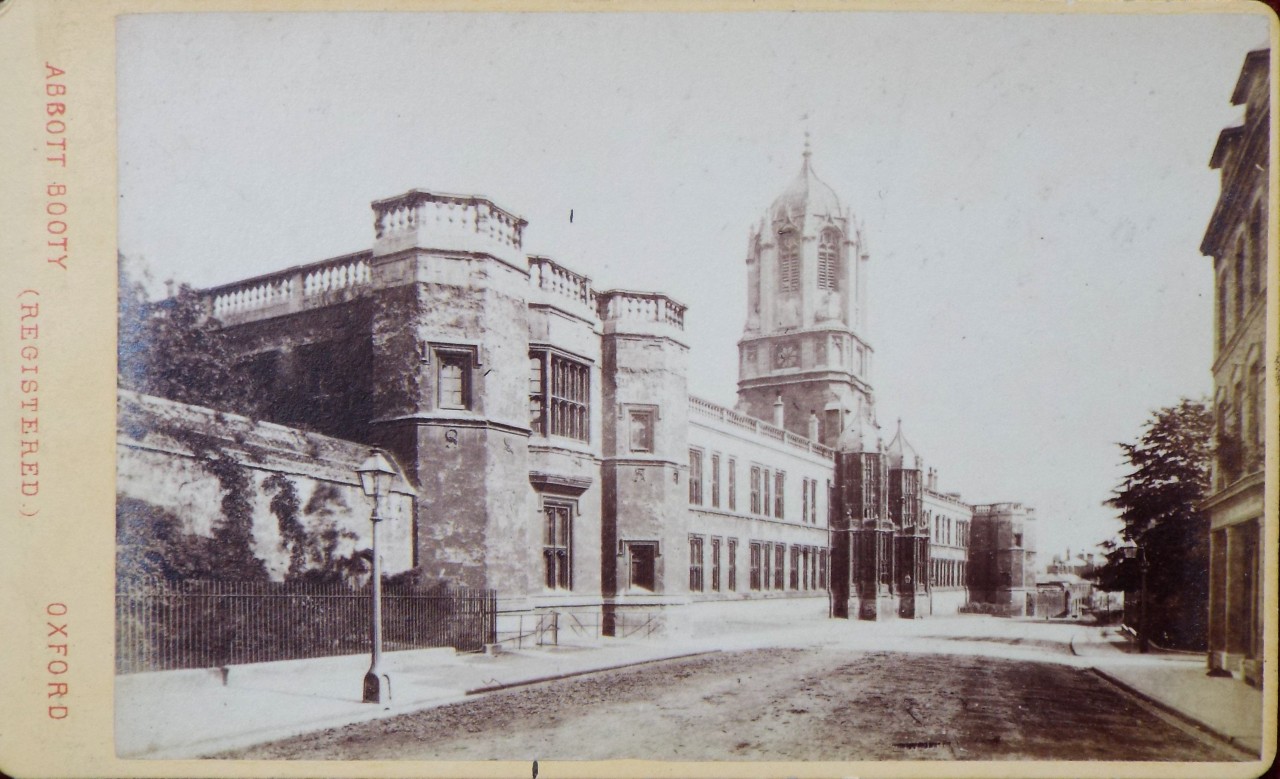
(559, 396)
(695, 563)
(557, 545)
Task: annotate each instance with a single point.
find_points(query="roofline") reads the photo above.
(1255, 62)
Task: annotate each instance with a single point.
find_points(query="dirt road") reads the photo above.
(779, 704)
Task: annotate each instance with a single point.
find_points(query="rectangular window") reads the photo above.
(778, 479)
(813, 501)
(641, 429)
(757, 554)
(822, 569)
(537, 415)
(559, 396)
(453, 378)
(766, 503)
(768, 566)
(733, 565)
(557, 545)
(695, 477)
(795, 568)
(733, 485)
(755, 489)
(715, 565)
(695, 563)
(813, 569)
(804, 499)
(715, 481)
(779, 563)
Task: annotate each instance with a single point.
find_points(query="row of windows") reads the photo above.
(808, 570)
(947, 573)
(948, 531)
(1243, 276)
(697, 564)
(768, 488)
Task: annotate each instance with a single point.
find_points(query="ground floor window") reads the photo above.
(795, 567)
(822, 569)
(557, 545)
(733, 565)
(715, 565)
(757, 565)
(643, 564)
(695, 563)
(779, 563)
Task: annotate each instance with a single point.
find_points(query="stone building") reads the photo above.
(1237, 241)
(1002, 544)
(555, 452)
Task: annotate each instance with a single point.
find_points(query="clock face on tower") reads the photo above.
(786, 356)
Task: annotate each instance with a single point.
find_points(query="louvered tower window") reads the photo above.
(788, 261)
(829, 260)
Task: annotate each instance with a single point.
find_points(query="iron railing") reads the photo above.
(197, 624)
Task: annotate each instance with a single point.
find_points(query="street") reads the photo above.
(814, 703)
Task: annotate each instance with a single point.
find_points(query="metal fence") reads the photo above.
(163, 626)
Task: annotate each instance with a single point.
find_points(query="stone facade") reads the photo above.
(1002, 552)
(1237, 241)
(554, 451)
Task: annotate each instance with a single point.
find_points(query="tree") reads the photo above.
(175, 348)
(1159, 506)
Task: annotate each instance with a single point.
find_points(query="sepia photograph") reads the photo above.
(785, 387)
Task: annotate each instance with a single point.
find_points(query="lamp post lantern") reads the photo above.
(376, 475)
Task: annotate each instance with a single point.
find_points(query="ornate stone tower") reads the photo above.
(803, 341)
(863, 573)
(911, 539)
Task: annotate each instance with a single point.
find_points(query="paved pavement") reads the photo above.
(179, 714)
(1179, 683)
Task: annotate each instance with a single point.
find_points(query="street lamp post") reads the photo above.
(1139, 553)
(375, 479)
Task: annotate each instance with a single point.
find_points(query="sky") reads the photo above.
(1033, 189)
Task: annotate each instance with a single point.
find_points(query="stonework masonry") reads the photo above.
(551, 449)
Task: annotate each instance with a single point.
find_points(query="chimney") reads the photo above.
(813, 426)
(777, 412)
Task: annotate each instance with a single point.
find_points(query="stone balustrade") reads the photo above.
(705, 408)
(292, 289)
(550, 276)
(418, 212)
(641, 306)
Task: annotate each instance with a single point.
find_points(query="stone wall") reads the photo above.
(162, 447)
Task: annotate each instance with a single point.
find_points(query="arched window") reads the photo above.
(788, 261)
(829, 260)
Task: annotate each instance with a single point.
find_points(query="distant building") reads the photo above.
(1237, 241)
(1002, 548)
(556, 454)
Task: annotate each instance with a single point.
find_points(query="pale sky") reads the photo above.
(1033, 188)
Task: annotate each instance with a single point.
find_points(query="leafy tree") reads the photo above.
(175, 348)
(1158, 504)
